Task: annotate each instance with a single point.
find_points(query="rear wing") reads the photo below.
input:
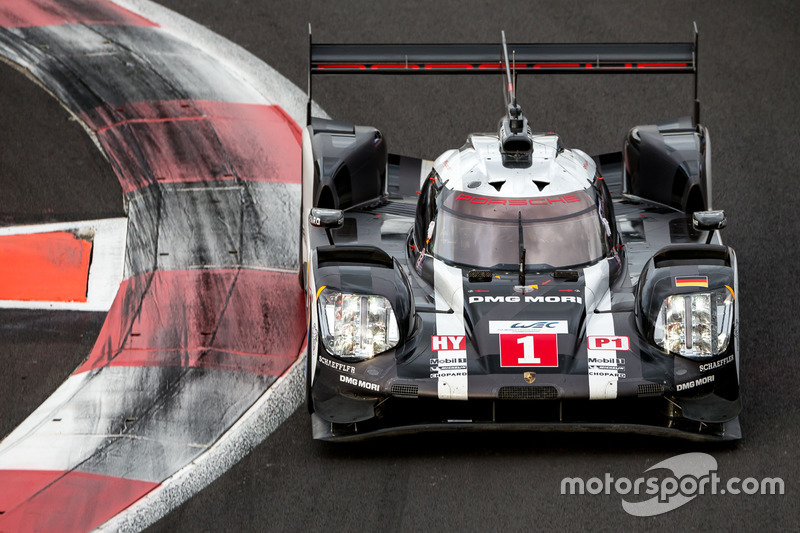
(415, 59)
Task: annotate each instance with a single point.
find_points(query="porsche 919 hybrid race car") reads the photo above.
(514, 283)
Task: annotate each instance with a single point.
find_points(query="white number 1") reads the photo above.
(527, 351)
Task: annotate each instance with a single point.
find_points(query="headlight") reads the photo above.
(696, 325)
(356, 327)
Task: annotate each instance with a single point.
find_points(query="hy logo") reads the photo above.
(690, 466)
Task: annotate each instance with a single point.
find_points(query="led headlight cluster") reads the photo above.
(356, 326)
(696, 325)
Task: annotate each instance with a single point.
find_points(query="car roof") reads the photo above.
(477, 168)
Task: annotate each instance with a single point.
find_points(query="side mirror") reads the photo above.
(709, 221)
(326, 218)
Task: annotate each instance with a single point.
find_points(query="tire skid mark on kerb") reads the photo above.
(243, 428)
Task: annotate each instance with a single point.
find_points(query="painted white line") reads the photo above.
(255, 425)
(41, 417)
(603, 364)
(452, 379)
(105, 271)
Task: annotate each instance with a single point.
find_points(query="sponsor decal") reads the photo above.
(449, 373)
(447, 342)
(528, 326)
(526, 299)
(420, 261)
(695, 383)
(529, 377)
(716, 364)
(597, 342)
(691, 281)
(449, 361)
(337, 366)
(446, 366)
(524, 288)
(359, 383)
(606, 366)
(482, 200)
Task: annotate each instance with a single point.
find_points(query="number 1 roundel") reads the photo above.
(537, 349)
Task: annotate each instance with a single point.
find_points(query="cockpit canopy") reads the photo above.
(561, 231)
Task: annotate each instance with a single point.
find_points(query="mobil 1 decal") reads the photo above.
(528, 343)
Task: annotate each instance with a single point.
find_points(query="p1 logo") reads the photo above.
(608, 343)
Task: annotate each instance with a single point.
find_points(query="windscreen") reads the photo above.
(557, 231)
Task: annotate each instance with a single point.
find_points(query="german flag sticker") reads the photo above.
(691, 281)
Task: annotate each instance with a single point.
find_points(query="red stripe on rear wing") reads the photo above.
(598, 58)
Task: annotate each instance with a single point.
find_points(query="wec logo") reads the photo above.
(693, 474)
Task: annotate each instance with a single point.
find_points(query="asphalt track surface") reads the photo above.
(748, 85)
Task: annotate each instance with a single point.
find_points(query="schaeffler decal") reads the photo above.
(691, 281)
(528, 343)
(716, 364)
(337, 366)
(596, 342)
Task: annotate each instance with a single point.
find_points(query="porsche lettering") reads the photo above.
(565, 199)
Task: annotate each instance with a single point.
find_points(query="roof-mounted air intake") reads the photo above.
(514, 133)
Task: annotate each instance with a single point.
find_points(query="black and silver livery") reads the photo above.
(515, 283)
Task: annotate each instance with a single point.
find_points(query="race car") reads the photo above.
(514, 283)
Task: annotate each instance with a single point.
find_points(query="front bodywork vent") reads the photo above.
(651, 389)
(528, 393)
(405, 391)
